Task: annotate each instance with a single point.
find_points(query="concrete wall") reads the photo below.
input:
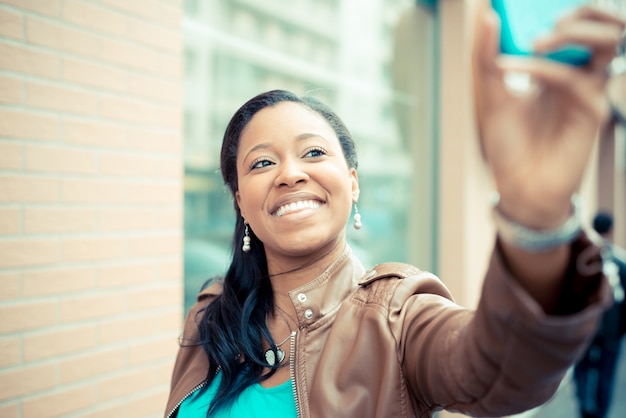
(90, 206)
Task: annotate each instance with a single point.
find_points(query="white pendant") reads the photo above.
(270, 357)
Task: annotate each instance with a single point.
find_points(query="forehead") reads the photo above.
(285, 120)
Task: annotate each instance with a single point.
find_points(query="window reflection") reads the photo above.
(341, 51)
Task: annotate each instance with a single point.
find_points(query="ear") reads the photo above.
(238, 200)
(354, 180)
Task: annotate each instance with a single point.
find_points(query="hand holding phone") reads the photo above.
(523, 21)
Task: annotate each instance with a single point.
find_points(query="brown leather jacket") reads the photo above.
(390, 342)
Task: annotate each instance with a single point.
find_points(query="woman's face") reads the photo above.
(295, 188)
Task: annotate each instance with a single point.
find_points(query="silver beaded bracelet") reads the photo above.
(533, 240)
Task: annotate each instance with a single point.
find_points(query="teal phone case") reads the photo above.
(525, 20)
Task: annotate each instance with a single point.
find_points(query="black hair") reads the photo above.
(232, 327)
(603, 223)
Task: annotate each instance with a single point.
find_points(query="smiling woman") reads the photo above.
(297, 316)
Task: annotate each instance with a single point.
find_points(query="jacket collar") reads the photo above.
(323, 295)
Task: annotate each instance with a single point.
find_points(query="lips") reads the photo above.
(296, 206)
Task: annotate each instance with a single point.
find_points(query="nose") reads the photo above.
(290, 173)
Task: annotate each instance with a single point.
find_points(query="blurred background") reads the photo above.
(112, 208)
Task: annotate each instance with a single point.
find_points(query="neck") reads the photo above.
(290, 273)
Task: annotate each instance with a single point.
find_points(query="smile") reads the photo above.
(295, 206)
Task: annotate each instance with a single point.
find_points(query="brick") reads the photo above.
(10, 89)
(91, 249)
(148, 351)
(28, 252)
(102, 410)
(170, 65)
(124, 275)
(11, 24)
(146, 299)
(21, 59)
(58, 281)
(95, 17)
(129, 56)
(171, 15)
(46, 220)
(156, 89)
(171, 269)
(170, 168)
(61, 99)
(124, 220)
(59, 159)
(88, 132)
(92, 191)
(154, 193)
(168, 218)
(27, 316)
(91, 365)
(127, 329)
(10, 156)
(171, 322)
(47, 7)
(155, 141)
(149, 405)
(94, 75)
(128, 110)
(170, 117)
(10, 286)
(53, 35)
(128, 165)
(132, 381)
(84, 307)
(10, 411)
(11, 352)
(10, 221)
(28, 125)
(56, 342)
(154, 36)
(155, 245)
(163, 370)
(144, 8)
(60, 403)
(26, 380)
(26, 189)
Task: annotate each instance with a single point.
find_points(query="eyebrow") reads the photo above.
(300, 137)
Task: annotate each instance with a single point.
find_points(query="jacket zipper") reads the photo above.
(292, 371)
(185, 397)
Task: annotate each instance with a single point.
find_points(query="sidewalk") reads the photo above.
(563, 404)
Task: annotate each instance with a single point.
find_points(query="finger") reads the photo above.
(587, 90)
(597, 28)
(488, 84)
(606, 13)
(584, 32)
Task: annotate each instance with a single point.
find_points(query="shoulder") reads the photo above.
(399, 280)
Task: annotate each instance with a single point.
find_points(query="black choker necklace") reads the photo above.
(271, 357)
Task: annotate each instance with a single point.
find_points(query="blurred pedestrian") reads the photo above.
(595, 371)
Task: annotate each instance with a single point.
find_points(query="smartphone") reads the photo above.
(525, 20)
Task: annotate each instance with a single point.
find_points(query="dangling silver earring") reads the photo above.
(357, 218)
(246, 238)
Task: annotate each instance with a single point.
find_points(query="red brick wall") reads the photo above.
(90, 206)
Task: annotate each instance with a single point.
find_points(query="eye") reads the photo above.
(315, 152)
(260, 163)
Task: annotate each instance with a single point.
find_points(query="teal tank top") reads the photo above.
(254, 402)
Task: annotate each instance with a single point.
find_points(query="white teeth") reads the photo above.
(301, 204)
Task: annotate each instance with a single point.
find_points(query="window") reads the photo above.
(341, 51)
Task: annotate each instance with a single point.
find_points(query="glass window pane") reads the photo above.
(341, 51)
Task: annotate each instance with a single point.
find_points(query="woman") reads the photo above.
(299, 328)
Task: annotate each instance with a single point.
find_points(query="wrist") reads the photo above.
(537, 237)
